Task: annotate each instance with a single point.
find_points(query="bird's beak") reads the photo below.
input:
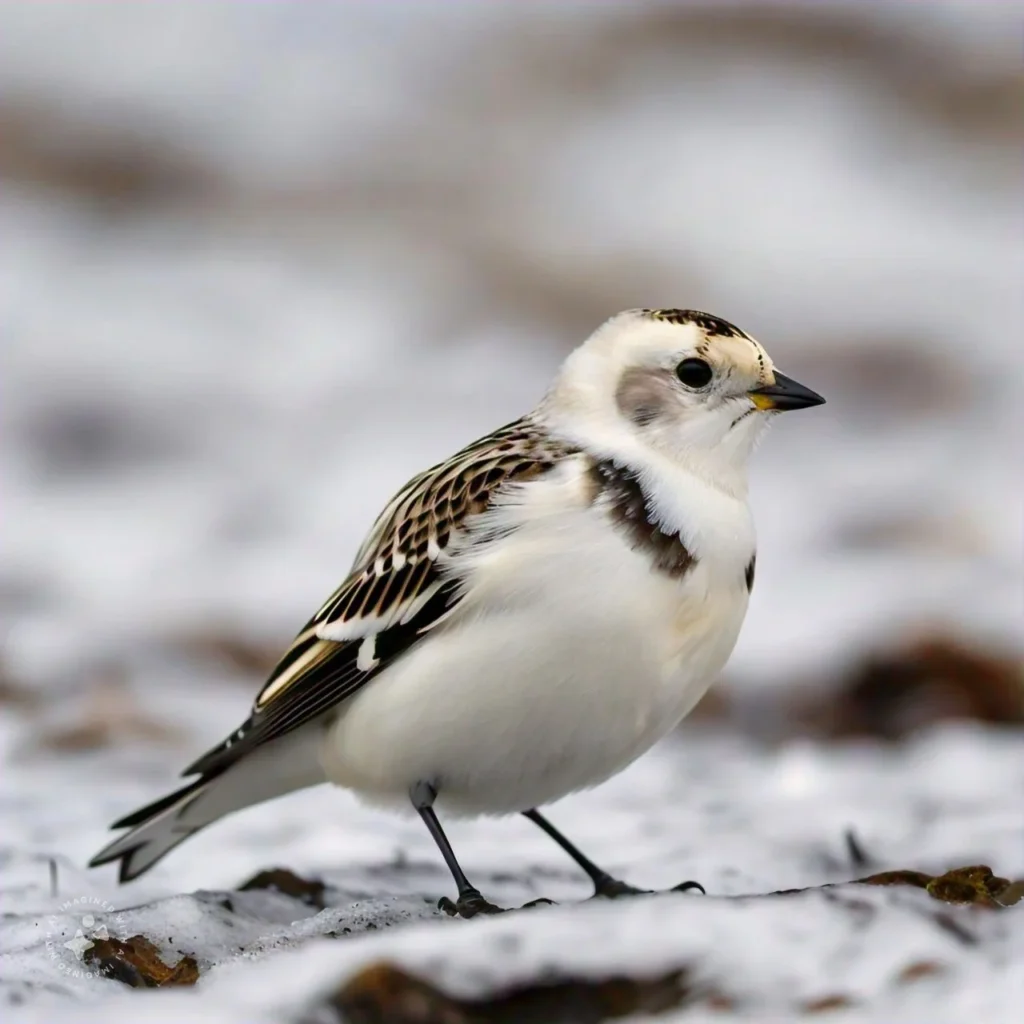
(784, 394)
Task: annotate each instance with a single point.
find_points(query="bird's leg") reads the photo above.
(604, 884)
(469, 901)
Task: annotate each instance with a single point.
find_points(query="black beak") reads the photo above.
(784, 394)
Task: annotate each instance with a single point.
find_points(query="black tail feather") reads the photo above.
(143, 814)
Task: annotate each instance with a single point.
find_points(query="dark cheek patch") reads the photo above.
(643, 396)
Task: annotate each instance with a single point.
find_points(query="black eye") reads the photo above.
(694, 373)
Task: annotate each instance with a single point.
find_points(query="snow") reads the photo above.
(742, 821)
(799, 929)
(205, 405)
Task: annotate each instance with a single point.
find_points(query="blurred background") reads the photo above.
(263, 262)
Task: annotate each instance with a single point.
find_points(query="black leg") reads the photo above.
(469, 901)
(604, 884)
(597, 876)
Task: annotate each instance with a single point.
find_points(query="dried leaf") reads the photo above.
(890, 694)
(826, 1004)
(310, 891)
(920, 969)
(1011, 895)
(237, 652)
(109, 716)
(385, 994)
(974, 884)
(136, 962)
(916, 878)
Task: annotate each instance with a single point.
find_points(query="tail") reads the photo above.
(279, 767)
(155, 830)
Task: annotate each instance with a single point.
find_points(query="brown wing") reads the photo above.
(395, 591)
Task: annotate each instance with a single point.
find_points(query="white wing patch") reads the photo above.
(366, 660)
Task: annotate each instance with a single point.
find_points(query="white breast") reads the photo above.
(565, 661)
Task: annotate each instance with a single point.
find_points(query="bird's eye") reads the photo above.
(694, 373)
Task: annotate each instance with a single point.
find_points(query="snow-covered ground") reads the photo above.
(741, 821)
(405, 216)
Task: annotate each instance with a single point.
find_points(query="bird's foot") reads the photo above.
(611, 888)
(470, 903)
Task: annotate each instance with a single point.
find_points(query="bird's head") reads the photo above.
(686, 384)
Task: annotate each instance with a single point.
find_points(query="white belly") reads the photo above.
(566, 661)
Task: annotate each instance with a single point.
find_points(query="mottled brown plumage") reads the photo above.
(420, 521)
(396, 572)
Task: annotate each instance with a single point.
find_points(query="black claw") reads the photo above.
(469, 904)
(612, 888)
(689, 887)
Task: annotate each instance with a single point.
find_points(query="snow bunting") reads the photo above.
(528, 617)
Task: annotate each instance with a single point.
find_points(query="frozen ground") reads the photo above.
(742, 821)
(205, 405)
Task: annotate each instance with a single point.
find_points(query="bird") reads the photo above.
(527, 617)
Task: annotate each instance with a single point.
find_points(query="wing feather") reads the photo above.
(396, 591)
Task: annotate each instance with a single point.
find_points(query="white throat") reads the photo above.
(705, 502)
